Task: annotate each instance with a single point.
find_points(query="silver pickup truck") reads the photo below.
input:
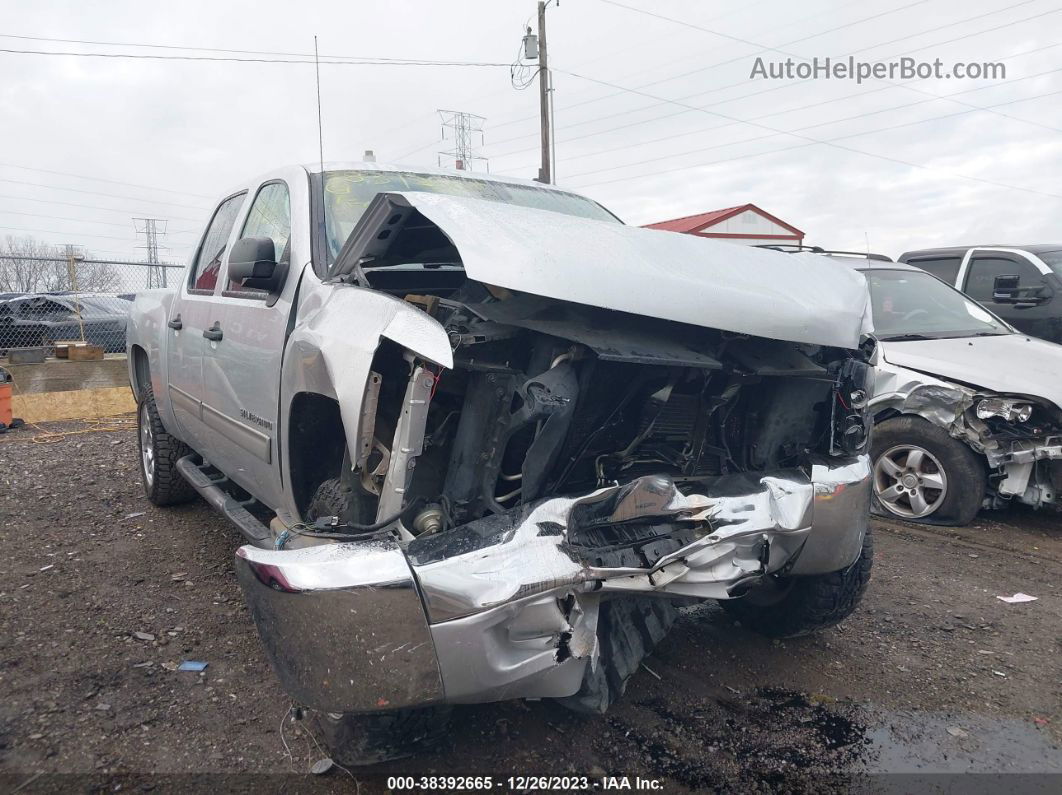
(483, 439)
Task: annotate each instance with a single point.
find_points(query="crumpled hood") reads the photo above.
(800, 298)
(1011, 364)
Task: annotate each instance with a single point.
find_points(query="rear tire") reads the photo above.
(159, 452)
(962, 471)
(365, 739)
(802, 605)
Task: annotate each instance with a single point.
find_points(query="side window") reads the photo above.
(269, 216)
(204, 275)
(981, 279)
(944, 268)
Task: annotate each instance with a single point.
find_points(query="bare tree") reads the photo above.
(29, 266)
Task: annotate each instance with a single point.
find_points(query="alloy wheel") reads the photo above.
(909, 481)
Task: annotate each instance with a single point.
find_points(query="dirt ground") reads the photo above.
(101, 594)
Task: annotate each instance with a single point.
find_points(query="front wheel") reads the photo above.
(159, 453)
(922, 474)
(787, 607)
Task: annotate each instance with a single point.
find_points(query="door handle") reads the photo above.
(213, 333)
(176, 323)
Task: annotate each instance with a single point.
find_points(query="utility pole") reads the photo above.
(545, 171)
(151, 228)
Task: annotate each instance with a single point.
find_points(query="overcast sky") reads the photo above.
(654, 118)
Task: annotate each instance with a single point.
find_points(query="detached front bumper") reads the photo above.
(506, 606)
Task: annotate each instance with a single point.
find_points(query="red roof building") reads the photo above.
(746, 224)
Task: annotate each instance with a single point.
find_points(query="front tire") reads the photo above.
(922, 474)
(159, 452)
(794, 606)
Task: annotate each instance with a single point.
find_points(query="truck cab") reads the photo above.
(1021, 284)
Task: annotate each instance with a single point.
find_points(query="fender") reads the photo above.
(330, 352)
(146, 328)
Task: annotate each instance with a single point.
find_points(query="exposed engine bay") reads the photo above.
(549, 398)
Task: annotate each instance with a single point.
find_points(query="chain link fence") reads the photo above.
(48, 298)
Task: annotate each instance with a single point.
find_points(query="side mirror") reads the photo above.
(1006, 289)
(253, 263)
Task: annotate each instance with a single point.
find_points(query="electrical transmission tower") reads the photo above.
(462, 131)
(152, 229)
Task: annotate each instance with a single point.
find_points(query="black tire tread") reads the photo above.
(812, 603)
(168, 487)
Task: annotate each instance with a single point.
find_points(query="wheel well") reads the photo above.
(885, 414)
(141, 370)
(316, 444)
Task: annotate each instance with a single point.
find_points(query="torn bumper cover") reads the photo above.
(506, 606)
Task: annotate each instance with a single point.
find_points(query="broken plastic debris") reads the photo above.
(1017, 598)
(322, 766)
(192, 665)
(49, 566)
(135, 514)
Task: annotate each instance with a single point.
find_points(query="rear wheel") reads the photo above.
(365, 739)
(159, 453)
(922, 474)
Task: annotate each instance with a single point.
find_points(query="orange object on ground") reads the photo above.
(5, 404)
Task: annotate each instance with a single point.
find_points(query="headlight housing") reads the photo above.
(1009, 409)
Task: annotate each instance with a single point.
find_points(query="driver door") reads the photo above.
(1039, 319)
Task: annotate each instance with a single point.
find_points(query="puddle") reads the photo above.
(933, 742)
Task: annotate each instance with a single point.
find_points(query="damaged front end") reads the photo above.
(573, 457)
(1019, 436)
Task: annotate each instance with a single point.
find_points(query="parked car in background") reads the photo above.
(1021, 284)
(36, 319)
(967, 410)
(480, 435)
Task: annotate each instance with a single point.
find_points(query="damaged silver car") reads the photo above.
(966, 409)
(483, 439)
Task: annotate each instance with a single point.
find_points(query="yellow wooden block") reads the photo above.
(77, 404)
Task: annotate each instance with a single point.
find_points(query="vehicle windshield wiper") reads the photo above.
(904, 337)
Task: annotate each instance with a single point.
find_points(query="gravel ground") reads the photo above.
(101, 594)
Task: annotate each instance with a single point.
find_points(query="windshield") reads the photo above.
(915, 305)
(1053, 259)
(348, 193)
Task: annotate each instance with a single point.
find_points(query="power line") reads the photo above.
(68, 234)
(838, 121)
(919, 166)
(75, 220)
(98, 193)
(91, 206)
(787, 85)
(746, 7)
(810, 140)
(214, 58)
(308, 55)
(763, 48)
(102, 179)
(832, 121)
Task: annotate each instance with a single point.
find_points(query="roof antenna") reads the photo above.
(866, 237)
(320, 133)
(320, 146)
